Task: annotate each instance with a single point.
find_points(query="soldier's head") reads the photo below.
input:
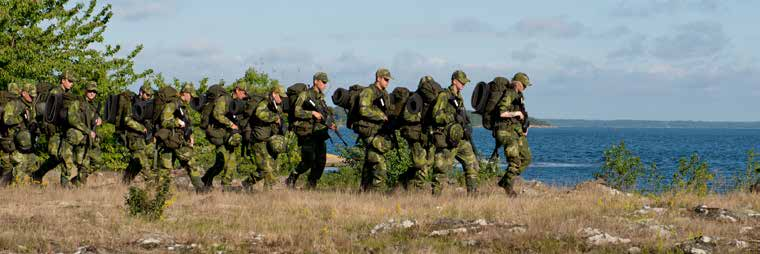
(67, 79)
(521, 81)
(187, 92)
(28, 92)
(383, 78)
(320, 81)
(91, 90)
(239, 92)
(146, 91)
(277, 93)
(459, 79)
(14, 89)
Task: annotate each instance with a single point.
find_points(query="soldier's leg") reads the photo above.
(53, 161)
(375, 169)
(526, 156)
(265, 165)
(165, 165)
(22, 165)
(230, 165)
(318, 167)
(91, 164)
(69, 163)
(80, 154)
(466, 156)
(441, 167)
(208, 177)
(512, 152)
(417, 173)
(187, 160)
(6, 169)
(135, 166)
(307, 160)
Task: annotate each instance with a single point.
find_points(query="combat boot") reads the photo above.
(506, 184)
(291, 181)
(472, 186)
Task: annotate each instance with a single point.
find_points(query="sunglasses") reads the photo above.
(387, 79)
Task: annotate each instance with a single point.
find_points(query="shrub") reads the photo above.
(621, 168)
(139, 204)
(751, 175)
(693, 176)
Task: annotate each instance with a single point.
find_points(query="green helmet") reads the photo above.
(146, 89)
(30, 88)
(523, 78)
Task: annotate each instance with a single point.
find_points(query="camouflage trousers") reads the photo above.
(52, 162)
(186, 159)
(422, 159)
(78, 155)
(266, 166)
(374, 171)
(141, 161)
(224, 163)
(444, 161)
(16, 167)
(517, 151)
(313, 159)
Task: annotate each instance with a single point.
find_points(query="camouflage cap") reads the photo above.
(460, 76)
(187, 88)
(278, 90)
(30, 88)
(92, 86)
(68, 75)
(146, 88)
(240, 86)
(321, 76)
(523, 78)
(14, 88)
(383, 73)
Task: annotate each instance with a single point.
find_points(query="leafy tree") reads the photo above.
(255, 81)
(42, 38)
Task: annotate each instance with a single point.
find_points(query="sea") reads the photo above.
(567, 156)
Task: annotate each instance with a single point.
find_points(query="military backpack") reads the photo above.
(485, 100)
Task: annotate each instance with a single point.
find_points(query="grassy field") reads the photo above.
(542, 220)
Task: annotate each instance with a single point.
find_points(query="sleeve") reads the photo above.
(506, 102)
(264, 114)
(220, 111)
(301, 113)
(74, 119)
(10, 116)
(439, 110)
(132, 124)
(168, 120)
(366, 109)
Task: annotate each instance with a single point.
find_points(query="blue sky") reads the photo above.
(648, 60)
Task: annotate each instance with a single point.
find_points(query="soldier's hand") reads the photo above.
(234, 126)
(316, 115)
(519, 114)
(385, 118)
(145, 130)
(333, 127)
(192, 141)
(93, 135)
(277, 121)
(181, 123)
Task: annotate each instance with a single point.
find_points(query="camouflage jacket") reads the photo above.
(134, 126)
(18, 114)
(511, 101)
(373, 104)
(303, 108)
(168, 119)
(447, 105)
(81, 116)
(267, 113)
(220, 113)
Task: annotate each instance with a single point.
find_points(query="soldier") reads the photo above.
(416, 131)
(80, 145)
(509, 131)
(136, 134)
(268, 137)
(450, 121)
(311, 130)
(373, 105)
(19, 128)
(173, 143)
(55, 142)
(223, 125)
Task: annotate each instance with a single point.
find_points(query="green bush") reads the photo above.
(751, 174)
(139, 203)
(693, 176)
(621, 168)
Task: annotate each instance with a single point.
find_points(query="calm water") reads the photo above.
(566, 156)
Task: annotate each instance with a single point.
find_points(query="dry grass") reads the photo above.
(56, 220)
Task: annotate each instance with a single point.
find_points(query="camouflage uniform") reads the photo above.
(509, 132)
(269, 141)
(450, 141)
(18, 118)
(423, 154)
(55, 142)
(373, 103)
(169, 120)
(140, 148)
(312, 144)
(78, 148)
(225, 161)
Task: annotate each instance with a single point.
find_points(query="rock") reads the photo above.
(746, 230)
(634, 250)
(392, 224)
(446, 232)
(739, 244)
(699, 245)
(86, 250)
(518, 229)
(596, 237)
(149, 243)
(647, 210)
(586, 232)
(469, 242)
(718, 214)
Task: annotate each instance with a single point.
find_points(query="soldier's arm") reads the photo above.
(10, 116)
(505, 104)
(439, 112)
(264, 114)
(220, 112)
(133, 124)
(167, 116)
(74, 120)
(366, 108)
(300, 112)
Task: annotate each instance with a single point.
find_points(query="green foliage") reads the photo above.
(751, 174)
(255, 81)
(349, 176)
(621, 168)
(40, 39)
(693, 176)
(397, 161)
(115, 155)
(139, 204)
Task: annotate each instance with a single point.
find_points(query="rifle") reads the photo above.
(185, 117)
(463, 119)
(329, 119)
